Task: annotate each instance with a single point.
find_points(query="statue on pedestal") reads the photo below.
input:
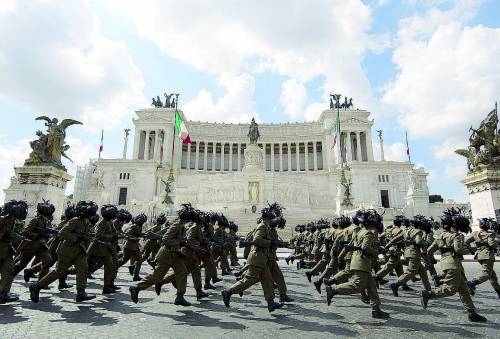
(484, 143)
(253, 132)
(50, 147)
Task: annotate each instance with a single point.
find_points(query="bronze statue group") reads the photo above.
(349, 255)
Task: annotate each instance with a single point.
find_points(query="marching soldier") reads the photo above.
(364, 251)
(232, 239)
(258, 264)
(131, 248)
(451, 246)
(169, 257)
(102, 248)
(12, 210)
(71, 251)
(485, 255)
(152, 246)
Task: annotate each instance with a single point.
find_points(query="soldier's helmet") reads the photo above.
(124, 216)
(16, 209)
(356, 217)
(94, 218)
(222, 221)
(45, 209)
(109, 212)
(139, 219)
(484, 223)
(268, 212)
(186, 212)
(278, 222)
(69, 212)
(398, 220)
(92, 209)
(161, 219)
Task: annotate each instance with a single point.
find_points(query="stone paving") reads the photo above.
(57, 316)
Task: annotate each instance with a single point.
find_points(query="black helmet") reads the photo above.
(186, 212)
(69, 212)
(124, 216)
(139, 219)
(161, 219)
(45, 209)
(222, 221)
(109, 212)
(93, 219)
(398, 220)
(16, 209)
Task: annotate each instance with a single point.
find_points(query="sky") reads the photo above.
(426, 67)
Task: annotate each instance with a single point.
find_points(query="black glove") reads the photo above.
(245, 243)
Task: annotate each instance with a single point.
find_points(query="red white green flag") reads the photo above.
(181, 129)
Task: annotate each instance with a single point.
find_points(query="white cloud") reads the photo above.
(290, 38)
(55, 59)
(11, 155)
(293, 98)
(237, 105)
(392, 152)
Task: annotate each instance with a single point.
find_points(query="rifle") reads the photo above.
(48, 233)
(279, 244)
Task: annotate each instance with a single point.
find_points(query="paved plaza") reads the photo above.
(157, 317)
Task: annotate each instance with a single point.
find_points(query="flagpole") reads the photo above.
(173, 135)
(101, 146)
(407, 147)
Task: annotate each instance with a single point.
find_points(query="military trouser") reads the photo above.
(62, 266)
(233, 254)
(150, 250)
(415, 267)
(37, 264)
(221, 254)
(193, 267)
(209, 264)
(343, 275)
(393, 263)
(134, 257)
(25, 258)
(360, 281)
(488, 273)
(95, 262)
(331, 269)
(6, 273)
(253, 275)
(277, 276)
(166, 261)
(454, 281)
(321, 265)
(429, 265)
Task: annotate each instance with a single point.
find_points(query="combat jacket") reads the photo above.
(451, 246)
(6, 227)
(396, 231)
(194, 235)
(33, 242)
(75, 237)
(413, 240)
(249, 237)
(134, 231)
(327, 241)
(348, 236)
(361, 259)
(54, 242)
(173, 236)
(260, 253)
(485, 244)
(102, 244)
(274, 236)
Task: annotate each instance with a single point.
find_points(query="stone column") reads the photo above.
(297, 155)
(281, 156)
(146, 145)
(289, 156)
(239, 157)
(230, 157)
(214, 153)
(205, 157)
(358, 146)
(272, 158)
(166, 150)
(222, 146)
(157, 145)
(197, 157)
(188, 160)
(369, 148)
(125, 143)
(348, 147)
(264, 157)
(137, 143)
(306, 155)
(315, 152)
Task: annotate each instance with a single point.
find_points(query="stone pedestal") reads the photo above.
(253, 170)
(483, 185)
(34, 183)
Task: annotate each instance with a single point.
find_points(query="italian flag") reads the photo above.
(337, 131)
(180, 128)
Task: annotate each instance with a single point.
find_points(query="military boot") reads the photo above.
(475, 317)
(406, 288)
(226, 296)
(134, 294)
(28, 274)
(116, 288)
(136, 277)
(62, 284)
(317, 284)
(472, 286)
(208, 285)
(377, 313)
(364, 297)
(284, 298)
(331, 291)
(201, 295)
(272, 305)
(158, 287)
(131, 269)
(6, 297)
(394, 287)
(330, 282)
(287, 259)
(215, 280)
(34, 292)
(108, 290)
(83, 296)
(425, 296)
(309, 275)
(180, 301)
